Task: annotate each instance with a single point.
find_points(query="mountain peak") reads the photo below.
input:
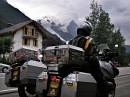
(72, 28)
(66, 31)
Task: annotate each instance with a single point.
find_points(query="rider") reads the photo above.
(84, 41)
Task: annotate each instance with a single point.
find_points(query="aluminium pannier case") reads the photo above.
(23, 54)
(63, 54)
(25, 74)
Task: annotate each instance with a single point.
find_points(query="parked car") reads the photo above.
(3, 66)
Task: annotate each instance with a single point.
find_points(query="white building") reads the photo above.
(27, 34)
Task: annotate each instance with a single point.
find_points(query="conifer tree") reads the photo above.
(104, 31)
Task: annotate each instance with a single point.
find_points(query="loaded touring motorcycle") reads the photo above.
(77, 83)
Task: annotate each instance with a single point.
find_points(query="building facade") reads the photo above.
(27, 35)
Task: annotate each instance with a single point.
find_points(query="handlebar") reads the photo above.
(108, 55)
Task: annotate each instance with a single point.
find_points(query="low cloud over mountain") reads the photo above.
(66, 31)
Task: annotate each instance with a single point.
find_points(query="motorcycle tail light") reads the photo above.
(55, 78)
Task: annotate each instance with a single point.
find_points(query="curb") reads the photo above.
(8, 91)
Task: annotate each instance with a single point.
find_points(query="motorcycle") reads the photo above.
(82, 84)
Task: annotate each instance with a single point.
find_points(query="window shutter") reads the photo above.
(34, 33)
(36, 42)
(29, 31)
(28, 41)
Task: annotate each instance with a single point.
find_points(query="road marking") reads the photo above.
(8, 91)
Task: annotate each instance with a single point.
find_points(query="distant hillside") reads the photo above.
(127, 48)
(9, 15)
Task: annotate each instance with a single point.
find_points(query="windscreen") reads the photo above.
(101, 47)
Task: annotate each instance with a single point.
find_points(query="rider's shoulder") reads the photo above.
(89, 38)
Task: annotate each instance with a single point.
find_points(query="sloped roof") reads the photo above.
(16, 27)
(10, 15)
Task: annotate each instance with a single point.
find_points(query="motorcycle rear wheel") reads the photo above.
(22, 91)
(112, 93)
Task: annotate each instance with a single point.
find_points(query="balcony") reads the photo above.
(30, 36)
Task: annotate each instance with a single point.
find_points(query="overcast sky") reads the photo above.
(66, 10)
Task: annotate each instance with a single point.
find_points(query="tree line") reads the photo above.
(104, 31)
(6, 45)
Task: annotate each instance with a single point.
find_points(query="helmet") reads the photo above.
(84, 29)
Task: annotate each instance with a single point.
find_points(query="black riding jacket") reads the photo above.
(85, 43)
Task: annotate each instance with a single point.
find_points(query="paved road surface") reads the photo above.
(123, 84)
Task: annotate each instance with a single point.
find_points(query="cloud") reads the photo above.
(119, 11)
(66, 10)
(60, 8)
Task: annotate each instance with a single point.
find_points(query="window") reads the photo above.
(26, 31)
(35, 42)
(33, 33)
(26, 41)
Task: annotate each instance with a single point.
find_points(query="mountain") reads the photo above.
(127, 48)
(66, 31)
(10, 15)
(72, 28)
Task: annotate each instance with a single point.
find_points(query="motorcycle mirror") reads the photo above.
(116, 45)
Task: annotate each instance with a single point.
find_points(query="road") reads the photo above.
(123, 86)
(2, 85)
(122, 90)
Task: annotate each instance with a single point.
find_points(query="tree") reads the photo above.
(6, 45)
(101, 24)
(104, 31)
(117, 38)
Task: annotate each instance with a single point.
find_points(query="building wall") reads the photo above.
(18, 40)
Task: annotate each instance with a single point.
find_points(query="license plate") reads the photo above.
(54, 84)
(15, 78)
(15, 73)
(16, 68)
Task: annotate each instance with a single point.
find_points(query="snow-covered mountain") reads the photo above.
(53, 32)
(64, 31)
